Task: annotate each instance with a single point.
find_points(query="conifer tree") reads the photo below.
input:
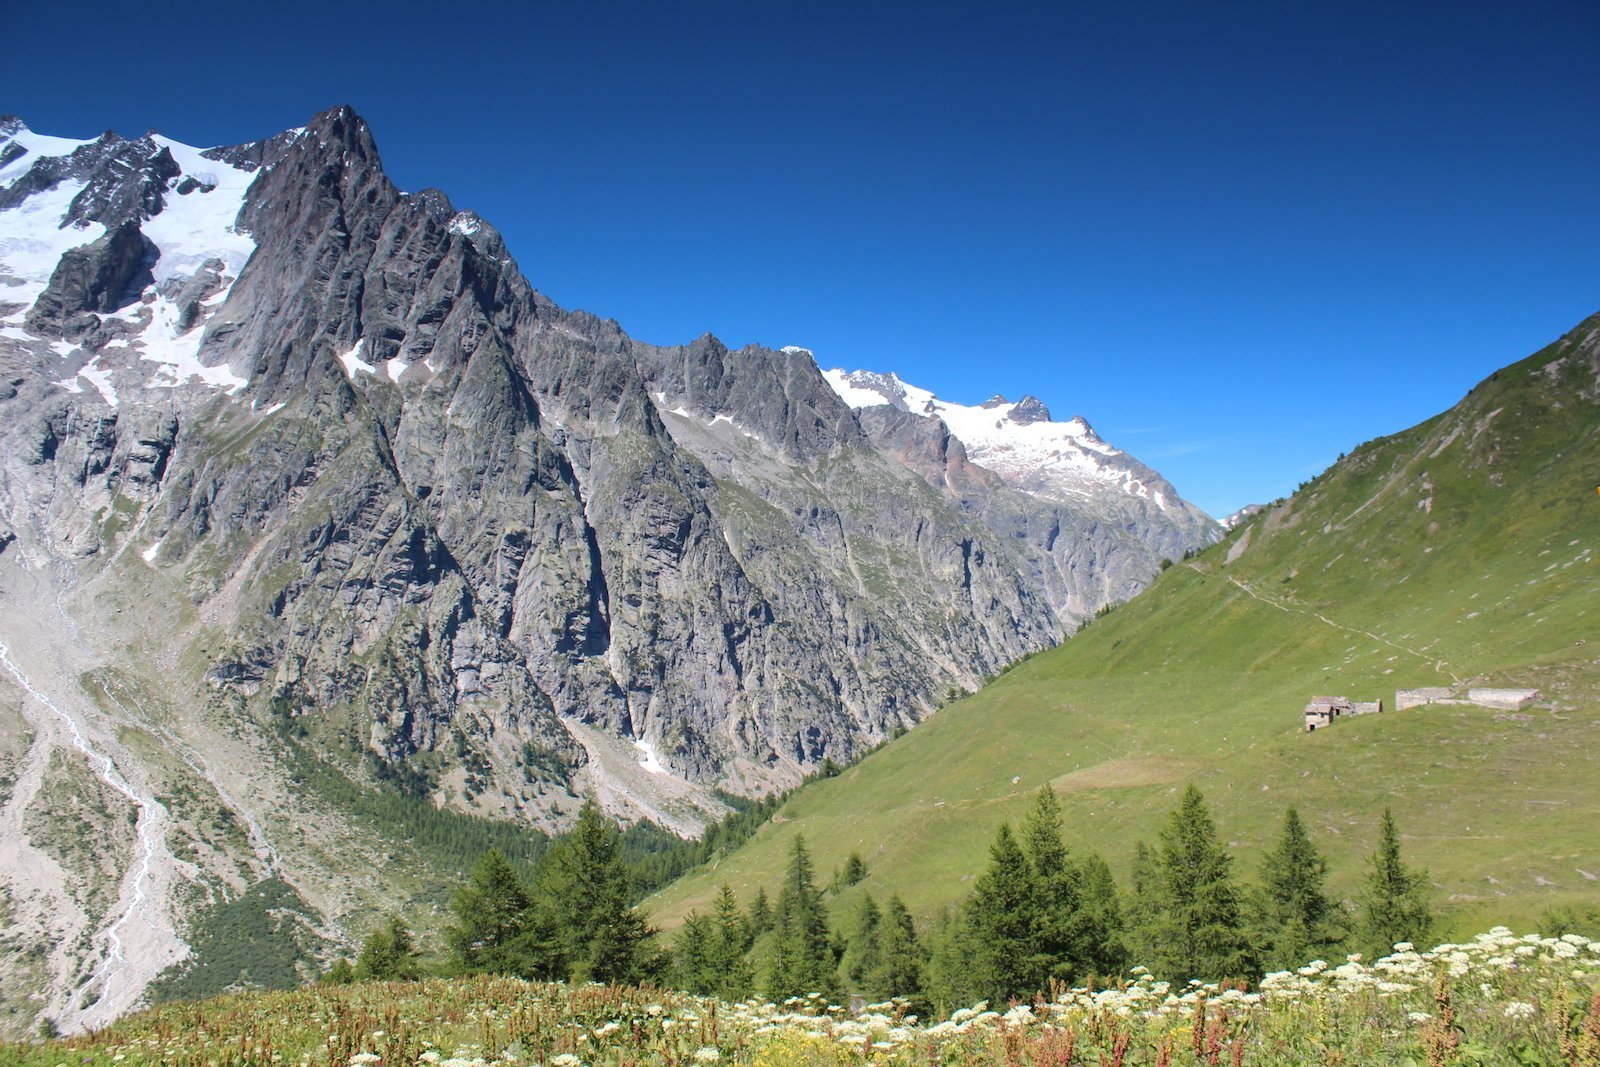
(1297, 921)
(1002, 914)
(389, 954)
(861, 939)
(693, 968)
(899, 970)
(952, 980)
(855, 869)
(1101, 925)
(802, 952)
(342, 972)
(760, 913)
(1142, 908)
(1199, 928)
(730, 942)
(496, 930)
(1061, 941)
(1395, 902)
(585, 888)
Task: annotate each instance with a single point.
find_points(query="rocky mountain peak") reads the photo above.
(474, 543)
(1028, 410)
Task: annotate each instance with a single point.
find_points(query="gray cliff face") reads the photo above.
(428, 516)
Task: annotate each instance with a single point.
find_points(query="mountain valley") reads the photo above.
(325, 539)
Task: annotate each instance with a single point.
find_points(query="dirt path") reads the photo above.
(1440, 665)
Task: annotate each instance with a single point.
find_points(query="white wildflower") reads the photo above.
(707, 1055)
(1519, 1009)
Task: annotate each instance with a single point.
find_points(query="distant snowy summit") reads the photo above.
(117, 252)
(1065, 462)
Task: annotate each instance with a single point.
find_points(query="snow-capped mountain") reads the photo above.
(89, 224)
(1065, 462)
(297, 466)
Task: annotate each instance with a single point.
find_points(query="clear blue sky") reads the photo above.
(1239, 238)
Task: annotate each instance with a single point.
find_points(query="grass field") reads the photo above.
(1466, 549)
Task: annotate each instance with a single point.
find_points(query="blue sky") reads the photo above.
(1239, 238)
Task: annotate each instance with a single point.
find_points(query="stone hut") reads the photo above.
(1504, 699)
(1323, 710)
(1367, 707)
(1416, 698)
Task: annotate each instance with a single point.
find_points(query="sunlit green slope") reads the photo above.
(1462, 550)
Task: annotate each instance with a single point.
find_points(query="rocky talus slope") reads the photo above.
(301, 462)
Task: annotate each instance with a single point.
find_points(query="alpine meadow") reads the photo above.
(1063, 584)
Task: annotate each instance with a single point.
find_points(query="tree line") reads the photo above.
(1039, 916)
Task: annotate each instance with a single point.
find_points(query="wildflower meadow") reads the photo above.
(1499, 999)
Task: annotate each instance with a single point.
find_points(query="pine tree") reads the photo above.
(730, 942)
(952, 979)
(1003, 914)
(760, 914)
(389, 954)
(1142, 907)
(1395, 902)
(1297, 921)
(899, 970)
(802, 959)
(1101, 925)
(861, 951)
(585, 889)
(855, 869)
(1061, 941)
(1199, 927)
(693, 968)
(496, 930)
(342, 972)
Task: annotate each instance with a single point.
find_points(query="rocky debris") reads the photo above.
(98, 277)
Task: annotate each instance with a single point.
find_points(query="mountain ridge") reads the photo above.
(1458, 552)
(322, 488)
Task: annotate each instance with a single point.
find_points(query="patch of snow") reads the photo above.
(179, 353)
(16, 333)
(100, 378)
(199, 225)
(721, 418)
(796, 350)
(353, 362)
(63, 348)
(651, 761)
(32, 240)
(39, 146)
(274, 409)
(120, 342)
(465, 224)
(154, 550)
(189, 230)
(70, 384)
(397, 367)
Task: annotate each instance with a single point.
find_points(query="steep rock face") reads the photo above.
(427, 511)
(95, 277)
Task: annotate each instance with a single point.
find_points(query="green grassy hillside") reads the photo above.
(1466, 549)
